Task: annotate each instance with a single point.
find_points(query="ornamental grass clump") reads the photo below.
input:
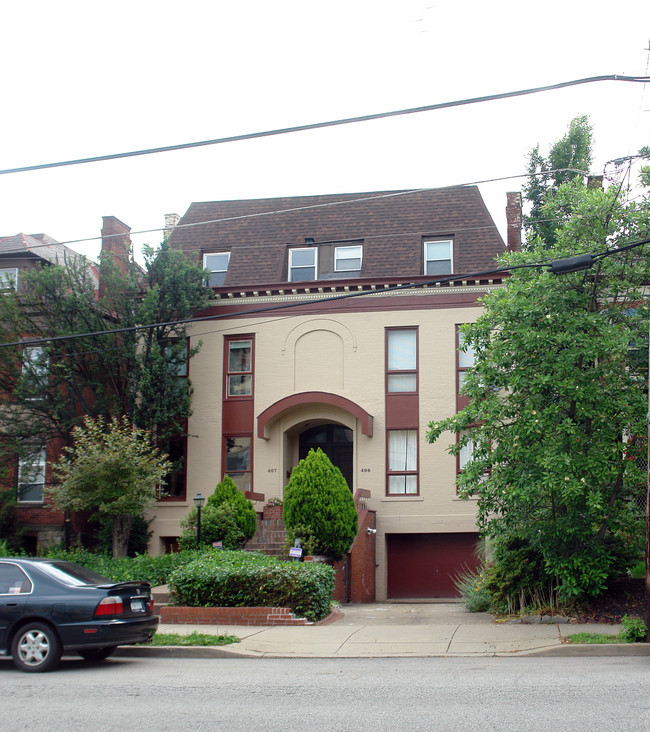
(317, 497)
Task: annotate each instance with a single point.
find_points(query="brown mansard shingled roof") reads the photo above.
(391, 224)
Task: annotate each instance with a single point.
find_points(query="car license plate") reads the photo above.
(137, 606)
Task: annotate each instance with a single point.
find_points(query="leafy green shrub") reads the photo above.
(155, 570)
(249, 579)
(138, 537)
(5, 550)
(634, 630)
(218, 523)
(227, 492)
(518, 577)
(305, 535)
(10, 531)
(318, 497)
(472, 587)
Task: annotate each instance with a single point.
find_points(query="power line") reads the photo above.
(552, 266)
(330, 123)
(305, 208)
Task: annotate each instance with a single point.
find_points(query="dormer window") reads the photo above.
(218, 265)
(438, 257)
(303, 264)
(347, 259)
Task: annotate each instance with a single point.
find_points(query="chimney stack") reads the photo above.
(171, 220)
(116, 247)
(513, 219)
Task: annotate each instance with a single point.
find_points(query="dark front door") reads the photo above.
(335, 441)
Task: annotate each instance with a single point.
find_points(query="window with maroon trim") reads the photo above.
(239, 367)
(237, 460)
(402, 462)
(173, 487)
(465, 358)
(401, 360)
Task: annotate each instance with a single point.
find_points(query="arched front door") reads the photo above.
(335, 441)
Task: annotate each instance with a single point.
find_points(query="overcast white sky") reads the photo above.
(85, 78)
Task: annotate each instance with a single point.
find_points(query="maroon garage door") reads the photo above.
(422, 565)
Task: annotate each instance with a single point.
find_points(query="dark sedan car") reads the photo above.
(48, 606)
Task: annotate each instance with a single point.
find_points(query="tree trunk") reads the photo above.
(121, 533)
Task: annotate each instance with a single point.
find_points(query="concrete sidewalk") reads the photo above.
(395, 630)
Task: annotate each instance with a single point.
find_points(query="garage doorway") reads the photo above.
(423, 565)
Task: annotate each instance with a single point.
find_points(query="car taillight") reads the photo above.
(110, 606)
(151, 605)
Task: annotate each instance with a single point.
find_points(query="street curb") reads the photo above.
(567, 650)
(178, 652)
(594, 650)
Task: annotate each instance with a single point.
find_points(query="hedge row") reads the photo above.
(249, 579)
(143, 568)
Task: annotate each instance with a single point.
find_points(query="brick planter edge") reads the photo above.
(178, 615)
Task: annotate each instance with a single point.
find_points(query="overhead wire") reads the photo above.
(313, 301)
(329, 123)
(297, 209)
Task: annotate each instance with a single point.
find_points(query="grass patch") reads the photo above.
(592, 638)
(191, 639)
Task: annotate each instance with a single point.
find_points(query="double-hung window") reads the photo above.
(347, 259)
(239, 368)
(303, 264)
(31, 476)
(402, 360)
(402, 462)
(438, 257)
(238, 461)
(465, 358)
(217, 264)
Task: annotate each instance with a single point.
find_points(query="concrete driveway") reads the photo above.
(434, 612)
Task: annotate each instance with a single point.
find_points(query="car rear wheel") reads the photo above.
(96, 654)
(36, 647)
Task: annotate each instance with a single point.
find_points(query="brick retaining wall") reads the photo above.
(230, 616)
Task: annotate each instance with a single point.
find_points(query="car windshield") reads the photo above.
(73, 574)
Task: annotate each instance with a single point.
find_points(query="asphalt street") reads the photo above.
(244, 695)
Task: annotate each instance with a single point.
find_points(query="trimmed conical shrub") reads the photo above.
(227, 492)
(318, 497)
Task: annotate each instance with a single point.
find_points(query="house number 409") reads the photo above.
(365, 470)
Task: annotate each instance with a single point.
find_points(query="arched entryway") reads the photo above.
(335, 440)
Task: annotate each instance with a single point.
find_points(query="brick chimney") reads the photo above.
(116, 247)
(513, 219)
(170, 223)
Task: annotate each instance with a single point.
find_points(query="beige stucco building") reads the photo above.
(335, 324)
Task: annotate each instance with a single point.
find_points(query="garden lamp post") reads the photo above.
(198, 502)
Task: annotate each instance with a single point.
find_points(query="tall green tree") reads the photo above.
(94, 362)
(112, 470)
(558, 392)
(568, 156)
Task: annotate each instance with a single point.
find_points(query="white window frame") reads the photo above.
(216, 271)
(430, 260)
(398, 373)
(8, 278)
(293, 268)
(232, 374)
(36, 462)
(345, 254)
